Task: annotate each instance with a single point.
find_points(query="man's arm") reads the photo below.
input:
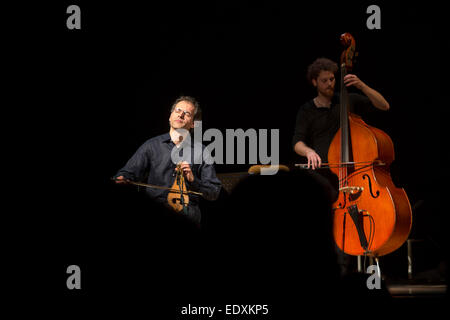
(205, 179)
(374, 96)
(300, 134)
(208, 183)
(136, 166)
(302, 149)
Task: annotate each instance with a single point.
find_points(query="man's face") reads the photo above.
(325, 83)
(182, 116)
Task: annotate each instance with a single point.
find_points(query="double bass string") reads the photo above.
(357, 171)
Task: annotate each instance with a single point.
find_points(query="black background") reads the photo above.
(84, 100)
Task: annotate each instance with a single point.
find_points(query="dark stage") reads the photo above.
(83, 100)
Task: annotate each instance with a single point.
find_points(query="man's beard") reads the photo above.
(329, 92)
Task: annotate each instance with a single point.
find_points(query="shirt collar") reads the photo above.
(167, 139)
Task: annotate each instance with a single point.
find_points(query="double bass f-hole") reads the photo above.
(370, 186)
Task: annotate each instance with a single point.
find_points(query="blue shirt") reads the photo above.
(152, 163)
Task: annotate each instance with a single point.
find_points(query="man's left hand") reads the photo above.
(353, 80)
(187, 172)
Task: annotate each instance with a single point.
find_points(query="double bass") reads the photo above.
(371, 215)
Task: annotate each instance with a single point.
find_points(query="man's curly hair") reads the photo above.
(320, 64)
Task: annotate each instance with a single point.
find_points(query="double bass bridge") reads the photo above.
(353, 192)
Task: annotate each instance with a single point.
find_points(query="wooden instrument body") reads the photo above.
(178, 198)
(384, 210)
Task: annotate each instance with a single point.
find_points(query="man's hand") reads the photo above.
(314, 160)
(187, 172)
(121, 179)
(374, 96)
(353, 80)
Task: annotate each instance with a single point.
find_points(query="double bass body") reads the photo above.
(368, 200)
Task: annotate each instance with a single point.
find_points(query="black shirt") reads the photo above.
(316, 126)
(152, 163)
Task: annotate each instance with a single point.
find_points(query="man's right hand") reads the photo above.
(314, 160)
(121, 179)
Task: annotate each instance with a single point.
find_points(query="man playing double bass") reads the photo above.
(152, 163)
(318, 119)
